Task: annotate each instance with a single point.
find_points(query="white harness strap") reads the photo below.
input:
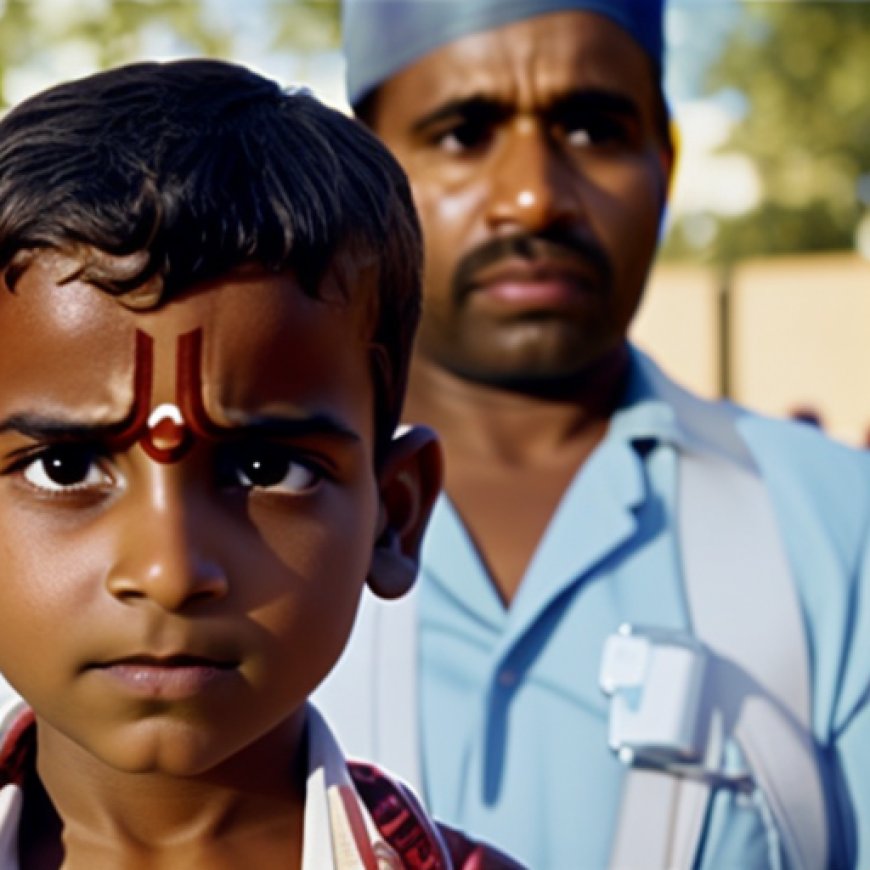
(6, 692)
(371, 695)
(398, 732)
(741, 596)
(660, 820)
(11, 801)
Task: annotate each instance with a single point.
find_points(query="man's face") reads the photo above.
(187, 510)
(538, 169)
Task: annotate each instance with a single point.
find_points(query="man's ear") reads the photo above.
(409, 480)
(669, 154)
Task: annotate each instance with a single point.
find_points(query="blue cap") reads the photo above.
(382, 37)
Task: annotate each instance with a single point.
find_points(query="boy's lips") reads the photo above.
(170, 678)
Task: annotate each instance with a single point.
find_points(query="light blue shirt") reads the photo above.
(514, 724)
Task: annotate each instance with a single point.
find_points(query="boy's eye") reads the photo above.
(270, 467)
(65, 468)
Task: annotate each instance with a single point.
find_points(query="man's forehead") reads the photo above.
(544, 59)
(383, 37)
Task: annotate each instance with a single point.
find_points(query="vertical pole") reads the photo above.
(725, 337)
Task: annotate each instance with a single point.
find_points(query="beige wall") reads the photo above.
(799, 335)
(677, 325)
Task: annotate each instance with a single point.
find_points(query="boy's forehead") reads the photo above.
(263, 340)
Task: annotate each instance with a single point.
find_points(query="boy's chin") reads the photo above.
(166, 749)
(173, 746)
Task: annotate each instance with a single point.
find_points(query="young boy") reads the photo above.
(210, 288)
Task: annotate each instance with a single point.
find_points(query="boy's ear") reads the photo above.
(410, 480)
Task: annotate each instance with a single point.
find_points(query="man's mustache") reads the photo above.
(552, 245)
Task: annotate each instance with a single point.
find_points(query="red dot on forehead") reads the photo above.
(167, 437)
(166, 428)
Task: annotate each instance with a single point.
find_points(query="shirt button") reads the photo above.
(507, 678)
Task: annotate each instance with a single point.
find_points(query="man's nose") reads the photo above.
(165, 551)
(533, 187)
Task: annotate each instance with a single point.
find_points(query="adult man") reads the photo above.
(585, 491)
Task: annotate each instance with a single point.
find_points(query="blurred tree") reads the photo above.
(100, 33)
(305, 25)
(802, 70)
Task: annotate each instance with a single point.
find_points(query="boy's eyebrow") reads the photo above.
(278, 426)
(41, 427)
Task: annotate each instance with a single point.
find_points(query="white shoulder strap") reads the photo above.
(740, 595)
(370, 697)
(10, 817)
(737, 605)
(10, 708)
(7, 693)
(731, 551)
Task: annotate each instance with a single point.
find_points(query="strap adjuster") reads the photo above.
(662, 710)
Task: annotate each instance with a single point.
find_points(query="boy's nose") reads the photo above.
(164, 555)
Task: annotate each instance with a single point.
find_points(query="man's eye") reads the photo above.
(273, 468)
(466, 136)
(580, 138)
(65, 468)
(591, 131)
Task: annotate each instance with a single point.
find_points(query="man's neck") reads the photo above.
(506, 426)
(511, 454)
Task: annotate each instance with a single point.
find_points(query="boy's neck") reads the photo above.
(248, 812)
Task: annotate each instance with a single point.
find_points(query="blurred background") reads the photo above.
(762, 289)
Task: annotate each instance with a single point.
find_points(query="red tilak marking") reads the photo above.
(189, 388)
(129, 431)
(164, 437)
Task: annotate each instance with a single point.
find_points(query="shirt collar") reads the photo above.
(656, 407)
(643, 414)
(17, 742)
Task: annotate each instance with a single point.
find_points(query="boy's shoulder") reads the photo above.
(405, 825)
(17, 742)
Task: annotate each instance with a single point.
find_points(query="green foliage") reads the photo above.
(305, 25)
(107, 32)
(103, 33)
(803, 69)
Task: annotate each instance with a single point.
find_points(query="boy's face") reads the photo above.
(175, 580)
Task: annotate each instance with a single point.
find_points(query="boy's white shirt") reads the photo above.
(10, 814)
(339, 833)
(10, 795)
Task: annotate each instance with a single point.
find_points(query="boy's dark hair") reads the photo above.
(189, 169)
